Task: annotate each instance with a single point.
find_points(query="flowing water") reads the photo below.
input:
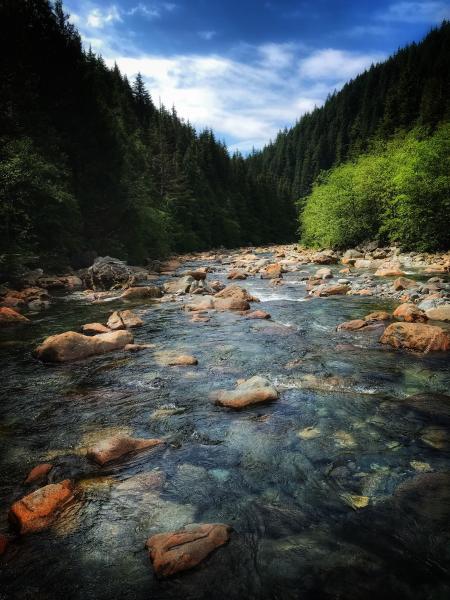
(308, 482)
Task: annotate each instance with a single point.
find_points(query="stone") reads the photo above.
(231, 304)
(197, 275)
(180, 285)
(236, 275)
(235, 291)
(184, 360)
(430, 404)
(9, 316)
(352, 253)
(402, 283)
(107, 272)
(124, 319)
(94, 329)
(363, 263)
(378, 315)
(309, 433)
(324, 273)
(426, 496)
(352, 325)
(273, 271)
(201, 304)
(336, 289)
(70, 345)
(327, 257)
(142, 292)
(253, 391)
(184, 549)
(258, 314)
(115, 448)
(4, 543)
(436, 437)
(416, 336)
(410, 313)
(439, 313)
(389, 271)
(138, 347)
(39, 472)
(39, 510)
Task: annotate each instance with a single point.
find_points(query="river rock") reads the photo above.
(378, 315)
(39, 509)
(332, 289)
(180, 285)
(327, 257)
(238, 304)
(70, 345)
(198, 275)
(258, 314)
(138, 347)
(201, 304)
(273, 271)
(430, 404)
(352, 325)
(184, 360)
(4, 543)
(324, 273)
(253, 391)
(236, 291)
(124, 319)
(184, 549)
(94, 329)
(114, 448)
(39, 472)
(9, 316)
(439, 313)
(410, 313)
(389, 271)
(237, 275)
(402, 283)
(107, 272)
(142, 292)
(416, 336)
(427, 497)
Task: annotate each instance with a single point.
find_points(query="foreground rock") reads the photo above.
(40, 509)
(94, 329)
(115, 448)
(238, 304)
(9, 316)
(253, 391)
(416, 336)
(334, 289)
(39, 472)
(236, 292)
(439, 313)
(184, 549)
(124, 319)
(70, 345)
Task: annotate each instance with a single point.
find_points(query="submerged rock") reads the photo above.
(39, 509)
(416, 336)
(39, 472)
(124, 319)
(253, 391)
(431, 405)
(184, 360)
(352, 325)
(9, 316)
(115, 448)
(151, 291)
(258, 314)
(427, 496)
(184, 549)
(70, 345)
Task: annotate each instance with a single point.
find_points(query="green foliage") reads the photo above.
(398, 193)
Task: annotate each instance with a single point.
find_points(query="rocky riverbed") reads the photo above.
(259, 423)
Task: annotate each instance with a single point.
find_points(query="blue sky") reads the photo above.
(248, 68)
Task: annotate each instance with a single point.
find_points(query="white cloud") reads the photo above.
(98, 18)
(334, 64)
(416, 12)
(277, 55)
(207, 35)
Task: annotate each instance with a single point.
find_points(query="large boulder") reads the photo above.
(352, 325)
(403, 283)
(410, 313)
(107, 273)
(332, 289)
(273, 271)
(324, 273)
(253, 391)
(142, 292)
(231, 304)
(39, 472)
(39, 509)
(416, 336)
(179, 285)
(114, 448)
(326, 257)
(9, 316)
(124, 319)
(184, 549)
(378, 315)
(70, 345)
(94, 328)
(389, 271)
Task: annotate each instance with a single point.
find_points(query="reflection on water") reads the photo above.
(312, 484)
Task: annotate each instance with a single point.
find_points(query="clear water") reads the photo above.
(286, 495)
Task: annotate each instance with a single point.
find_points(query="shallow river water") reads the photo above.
(287, 476)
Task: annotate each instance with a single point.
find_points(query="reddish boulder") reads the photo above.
(410, 313)
(352, 325)
(235, 275)
(378, 315)
(333, 289)
(235, 291)
(150, 291)
(389, 271)
(94, 328)
(272, 272)
(416, 336)
(258, 314)
(184, 549)
(231, 304)
(39, 472)
(9, 316)
(39, 509)
(115, 448)
(402, 283)
(75, 346)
